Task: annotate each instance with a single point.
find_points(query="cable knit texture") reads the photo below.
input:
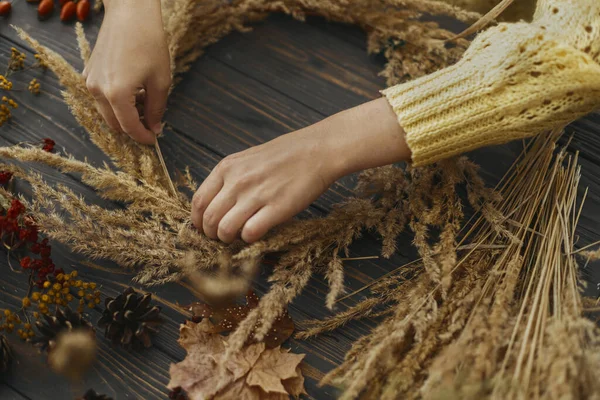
(515, 80)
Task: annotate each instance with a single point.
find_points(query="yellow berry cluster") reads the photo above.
(5, 106)
(17, 59)
(11, 320)
(40, 61)
(5, 83)
(34, 86)
(62, 290)
(10, 102)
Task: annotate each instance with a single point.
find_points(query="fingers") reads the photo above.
(118, 108)
(155, 105)
(203, 197)
(218, 207)
(260, 223)
(107, 113)
(123, 105)
(231, 224)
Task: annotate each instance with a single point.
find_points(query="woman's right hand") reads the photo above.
(131, 54)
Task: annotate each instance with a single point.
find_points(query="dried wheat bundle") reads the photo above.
(507, 319)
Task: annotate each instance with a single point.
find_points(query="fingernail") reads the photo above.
(157, 130)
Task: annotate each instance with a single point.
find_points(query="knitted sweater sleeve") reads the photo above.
(514, 81)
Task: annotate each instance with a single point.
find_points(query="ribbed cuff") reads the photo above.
(495, 94)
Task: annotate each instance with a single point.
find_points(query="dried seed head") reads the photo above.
(73, 353)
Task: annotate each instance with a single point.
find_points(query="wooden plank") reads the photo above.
(9, 393)
(59, 36)
(123, 371)
(321, 71)
(223, 106)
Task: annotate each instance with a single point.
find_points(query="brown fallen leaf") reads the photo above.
(197, 374)
(255, 373)
(295, 386)
(226, 319)
(241, 363)
(238, 390)
(272, 368)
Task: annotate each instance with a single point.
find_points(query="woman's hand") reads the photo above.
(131, 54)
(261, 187)
(252, 191)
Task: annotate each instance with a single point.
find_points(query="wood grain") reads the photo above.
(248, 89)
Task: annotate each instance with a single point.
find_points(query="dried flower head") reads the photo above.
(17, 59)
(34, 86)
(73, 353)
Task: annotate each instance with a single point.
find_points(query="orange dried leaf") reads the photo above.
(273, 367)
(255, 373)
(295, 386)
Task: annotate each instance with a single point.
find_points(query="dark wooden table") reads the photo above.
(247, 89)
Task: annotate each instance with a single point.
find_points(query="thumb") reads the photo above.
(155, 104)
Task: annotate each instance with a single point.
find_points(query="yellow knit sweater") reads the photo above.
(516, 80)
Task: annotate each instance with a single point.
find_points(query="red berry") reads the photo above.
(83, 9)
(5, 176)
(45, 8)
(26, 262)
(5, 7)
(49, 143)
(67, 11)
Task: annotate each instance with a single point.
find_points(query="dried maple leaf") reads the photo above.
(273, 367)
(295, 386)
(238, 390)
(241, 363)
(226, 319)
(196, 374)
(255, 373)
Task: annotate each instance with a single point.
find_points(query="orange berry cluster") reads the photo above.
(5, 107)
(17, 59)
(40, 62)
(11, 320)
(61, 290)
(34, 86)
(5, 83)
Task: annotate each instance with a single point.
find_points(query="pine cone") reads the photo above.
(5, 354)
(92, 395)
(177, 394)
(63, 320)
(129, 320)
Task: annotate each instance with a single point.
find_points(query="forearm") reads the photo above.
(141, 6)
(366, 136)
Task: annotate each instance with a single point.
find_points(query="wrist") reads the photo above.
(367, 136)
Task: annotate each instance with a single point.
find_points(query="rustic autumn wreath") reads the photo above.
(466, 319)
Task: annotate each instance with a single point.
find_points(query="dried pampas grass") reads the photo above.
(509, 324)
(480, 314)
